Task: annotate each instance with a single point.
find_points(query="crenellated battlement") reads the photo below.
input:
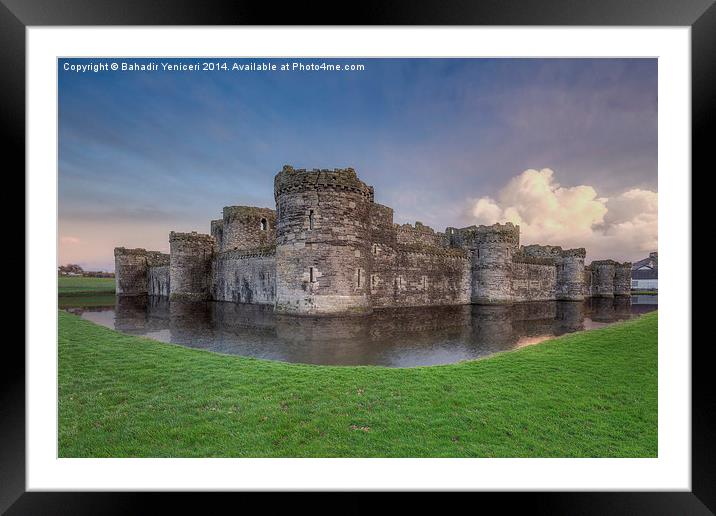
(124, 251)
(157, 259)
(546, 251)
(246, 213)
(498, 233)
(298, 180)
(603, 263)
(418, 234)
(461, 237)
(579, 252)
(190, 237)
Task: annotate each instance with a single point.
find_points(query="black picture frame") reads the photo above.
(700, 15)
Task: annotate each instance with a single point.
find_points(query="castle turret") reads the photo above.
(322, 242)
(246, 227)
(622, 279)
(570, 274)
(190, 266)
(603, 278)
(130, 271)
(492, 263)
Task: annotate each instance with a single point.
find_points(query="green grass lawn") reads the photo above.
(588, 394)
(79, 285)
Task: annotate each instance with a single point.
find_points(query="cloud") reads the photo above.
(69, 240)
(622, 227)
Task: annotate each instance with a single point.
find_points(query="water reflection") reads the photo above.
(402, 337)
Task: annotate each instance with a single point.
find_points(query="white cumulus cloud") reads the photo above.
(622, 227)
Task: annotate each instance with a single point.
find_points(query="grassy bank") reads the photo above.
(79, 285)
(589, 394)
(86, 300)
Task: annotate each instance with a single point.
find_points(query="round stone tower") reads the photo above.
(570, 275)
(622, 279)
(190, 266)
(603, 278)
(322, 242)
(246, 227)
(492, 263)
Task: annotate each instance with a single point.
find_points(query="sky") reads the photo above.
(566, 148)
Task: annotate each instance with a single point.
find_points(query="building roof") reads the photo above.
(651, 262)
(648, 268)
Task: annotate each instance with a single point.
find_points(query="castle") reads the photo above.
(329, 248)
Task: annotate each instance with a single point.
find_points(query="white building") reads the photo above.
(645, 273)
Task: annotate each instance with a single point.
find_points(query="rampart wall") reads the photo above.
(158, 281)
(414, 275)
(245, 277)
(533, 279)
(419, 234)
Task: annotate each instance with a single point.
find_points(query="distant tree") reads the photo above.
(70, 268)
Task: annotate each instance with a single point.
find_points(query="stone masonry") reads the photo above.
(329, 248)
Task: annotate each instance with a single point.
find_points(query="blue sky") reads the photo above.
(142, 153)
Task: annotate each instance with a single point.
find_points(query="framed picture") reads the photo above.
(416, 252)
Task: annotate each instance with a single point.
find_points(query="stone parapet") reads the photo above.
(299, 180)
(498, 233)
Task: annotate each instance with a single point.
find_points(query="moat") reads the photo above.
(403, 337)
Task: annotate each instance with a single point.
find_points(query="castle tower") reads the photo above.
(190, 266)
(492, 263)
(130, 271)
(245, 227)
(570, 274)
(322, 242)
(622, 279)
(217, 231)
(603, 278)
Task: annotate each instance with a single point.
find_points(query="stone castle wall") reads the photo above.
(244, 277)
(158, 281)
(622, 279)
(419, 276)
(329, 248)
(533, 280)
